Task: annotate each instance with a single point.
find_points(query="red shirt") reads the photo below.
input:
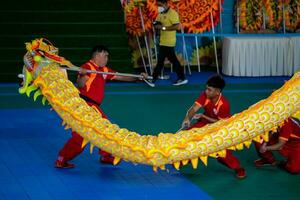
(219, 110)
(95, 85)
(290, 130)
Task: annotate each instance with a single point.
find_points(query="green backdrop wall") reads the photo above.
(74, 26)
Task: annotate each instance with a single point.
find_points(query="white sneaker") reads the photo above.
(180, 82)
(150, 82)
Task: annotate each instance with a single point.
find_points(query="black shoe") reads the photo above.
(63, 165)
(282, 165)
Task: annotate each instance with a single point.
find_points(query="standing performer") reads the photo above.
(167, 22)
(216, 107)
(91, 87)
(287, 141)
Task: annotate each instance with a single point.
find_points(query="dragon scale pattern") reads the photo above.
(165, 148)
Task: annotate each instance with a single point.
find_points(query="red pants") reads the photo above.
(229, 160)
(290, 150)
(73, 148)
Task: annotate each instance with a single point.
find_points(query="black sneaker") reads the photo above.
(180, 82)
(282, 165)
(63, 165)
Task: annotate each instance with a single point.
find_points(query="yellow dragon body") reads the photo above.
(241, 129)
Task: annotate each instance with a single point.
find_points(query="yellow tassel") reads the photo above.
(248, 143)
(184, 162)
(296, 114)
(232, 148)
(154, 168)
(265, 137)
(117, 160)
(67, 127)
(239, 146)
(257, 139)
(63, 123)
(162, 167)
(91, 148)
(222, 153)
(213, 155)
(194, 163)
(176, 165)
(84, 142)
(204, 160)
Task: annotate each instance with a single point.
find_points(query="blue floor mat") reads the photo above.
(30, 140)
(201, 77)
(198, 78)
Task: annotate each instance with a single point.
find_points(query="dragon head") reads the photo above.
(35, 50)
(34, 60)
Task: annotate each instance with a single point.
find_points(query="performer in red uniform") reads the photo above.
(287, 141)
(91, 87)
(215, 107)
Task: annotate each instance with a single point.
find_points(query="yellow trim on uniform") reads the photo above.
(91, 78)
(96, 109)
